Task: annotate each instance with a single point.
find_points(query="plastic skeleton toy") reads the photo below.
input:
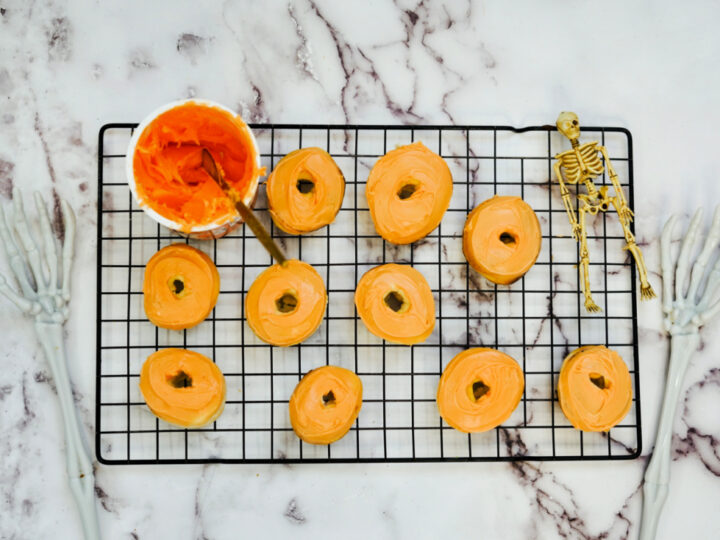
(581, 164)
(42, 269)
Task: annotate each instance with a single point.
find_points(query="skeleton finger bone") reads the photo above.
(685, 252)
(698, 270)
(50, 249)
(24, 305)
(666, 263)
(15, 257)
(711, 287)
(28, 243)
(68, 247)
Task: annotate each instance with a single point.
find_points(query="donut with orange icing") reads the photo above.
(305, 191)
(408, 192)
(479, 389)
(594, 388)
(325, 404)
(396, 304)
(502, 239)
(286, 303)
(180, 287)
(183, 387)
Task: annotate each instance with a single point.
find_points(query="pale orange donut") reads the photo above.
(408, 192)
(502, 238)
(594, 388)
(395, 303)
(305, 191)
(286, 303)
(325, 404)
(479, 389)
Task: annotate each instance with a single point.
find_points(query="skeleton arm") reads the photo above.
(624, 210)
(566, 201)
(42, 273)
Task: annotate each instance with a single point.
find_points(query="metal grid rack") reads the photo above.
(537, 320)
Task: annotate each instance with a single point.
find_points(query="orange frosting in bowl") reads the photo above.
(305, 191)
(324, 404)
(180, 287)
(594, 388)
(167, 164)
(183, 387)
(286, 303)
(408, 192)
(502, 239)
(395, 303)
(479, 389)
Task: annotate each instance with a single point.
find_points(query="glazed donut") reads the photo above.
(501, 239)
(325, 404)
(396, 304)
(183, 387)
(594, 388)
(286, 303)
(408, 192)
(180, 287)
(305, 191)
(479, 389)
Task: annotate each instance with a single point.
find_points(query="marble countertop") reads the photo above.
(68, 68)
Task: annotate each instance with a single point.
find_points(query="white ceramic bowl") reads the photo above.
(211, 230)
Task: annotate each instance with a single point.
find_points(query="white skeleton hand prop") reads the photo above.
(686, 309)
(42, 267)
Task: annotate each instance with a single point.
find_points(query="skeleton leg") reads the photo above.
(590, 305)
(646, 290)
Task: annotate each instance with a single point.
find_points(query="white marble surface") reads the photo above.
(65, 69)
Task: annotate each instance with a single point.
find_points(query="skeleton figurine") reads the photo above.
(581, 164)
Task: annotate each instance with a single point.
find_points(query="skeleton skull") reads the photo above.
(567, 123)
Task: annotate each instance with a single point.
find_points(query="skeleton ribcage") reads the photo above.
(590, 162)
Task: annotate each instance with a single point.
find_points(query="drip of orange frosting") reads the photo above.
(408, 192)
(286, 303)
(502, 239)
(180, 287)
(325, 404)
(413, 320)
(183, 387)
(298, 209)
(594, 388)
(479, 389)
(167, 164)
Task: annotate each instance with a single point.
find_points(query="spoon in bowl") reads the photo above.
(208, 163)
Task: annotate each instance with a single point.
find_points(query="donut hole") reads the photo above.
(407, 190)
(395, 300)
(478, 389)
(328, 399)
(600, 381)
(508, 239)
(287, 303)
(176, 284)
(305, 186)
(180, 380)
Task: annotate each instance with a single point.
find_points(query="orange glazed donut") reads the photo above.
(395, 303)
(180, 287)
(285, 304)
(183, 387)
(479, 389)
(408, 192)
(594, 388)
(305, 191)
(501, 239)
(324, 404)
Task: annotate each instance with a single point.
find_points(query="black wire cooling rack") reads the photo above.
(538, 320)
